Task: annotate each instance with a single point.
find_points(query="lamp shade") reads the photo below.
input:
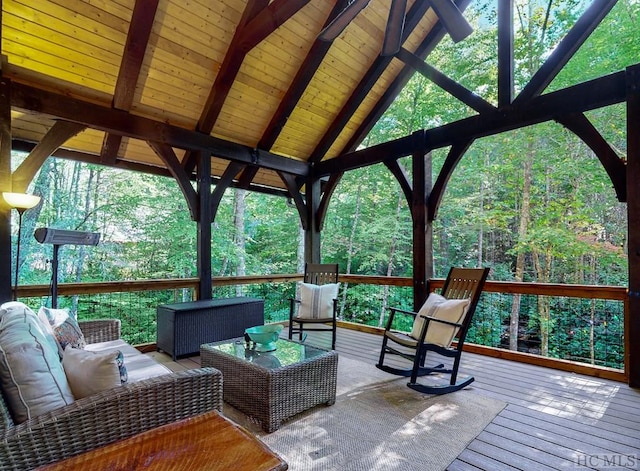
(20, 200)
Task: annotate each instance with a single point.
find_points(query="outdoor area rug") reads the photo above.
(378, 423)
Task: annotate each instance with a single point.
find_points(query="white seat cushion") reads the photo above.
(437, 306)
(31, 374)
(316, 301)
(138, 365)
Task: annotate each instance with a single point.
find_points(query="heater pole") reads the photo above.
(54, 277)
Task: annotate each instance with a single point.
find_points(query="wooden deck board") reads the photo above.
(552, 421)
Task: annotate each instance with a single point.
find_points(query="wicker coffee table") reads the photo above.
(273, 386)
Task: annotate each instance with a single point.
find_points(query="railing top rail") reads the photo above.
(540, 289)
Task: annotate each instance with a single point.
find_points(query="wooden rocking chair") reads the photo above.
(318, 301)
(440, 319)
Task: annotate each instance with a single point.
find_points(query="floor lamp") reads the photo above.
(20, 202)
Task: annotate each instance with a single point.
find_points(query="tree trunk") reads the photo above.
(81, 254)
(390, 265)
(352, 236)
(525, 214)
(238, 220)
(544, 309)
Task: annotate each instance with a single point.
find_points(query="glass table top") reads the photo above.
(286, 352)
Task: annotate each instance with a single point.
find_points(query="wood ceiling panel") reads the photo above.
(76, 47)
(88, 140)
(268, 178)
(64, 43)
(139, 151)
(29, 126)
(202, 31)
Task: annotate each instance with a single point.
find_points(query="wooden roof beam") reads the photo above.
(126, 124)
(430, 42)
(450, 86)
(259, 20)
(505, 52)
(304, 75)
(597, 93)
(415, 14)
(144, 12)
(26, 146)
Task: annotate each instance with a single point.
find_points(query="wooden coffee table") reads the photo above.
(206, 442)
(273, 386)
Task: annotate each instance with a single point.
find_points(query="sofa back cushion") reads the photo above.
(31, 374)
(63, 326)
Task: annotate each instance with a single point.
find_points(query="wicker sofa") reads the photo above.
(111, 415)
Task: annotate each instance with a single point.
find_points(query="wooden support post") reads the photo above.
(5, 185)
(422, 228)
(505, 52)
(312, 232)
(632, 335)
(204, 226)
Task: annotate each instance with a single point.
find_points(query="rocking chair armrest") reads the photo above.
(403, 311)
(441, 321)
(392, 315)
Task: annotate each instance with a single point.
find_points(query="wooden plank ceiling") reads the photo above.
(247, 72)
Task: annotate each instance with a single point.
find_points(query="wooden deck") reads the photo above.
(553, 420)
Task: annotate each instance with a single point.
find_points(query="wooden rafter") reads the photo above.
(305, 73)
(450, 86)
(224, 79)
(144, 13)
(505, 52)
(416, 12)
(597, 93)
(422, 51)
(259, 20)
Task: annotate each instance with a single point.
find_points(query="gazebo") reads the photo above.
(276, 96)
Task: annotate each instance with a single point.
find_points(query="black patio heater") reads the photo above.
(58, 237)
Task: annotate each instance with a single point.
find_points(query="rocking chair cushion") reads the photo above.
(437, 306)
(316, 301)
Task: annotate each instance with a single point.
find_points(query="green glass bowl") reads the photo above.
(265, 336)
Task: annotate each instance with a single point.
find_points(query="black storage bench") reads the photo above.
(183, 327)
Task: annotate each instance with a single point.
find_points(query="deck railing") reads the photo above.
(571, 327)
